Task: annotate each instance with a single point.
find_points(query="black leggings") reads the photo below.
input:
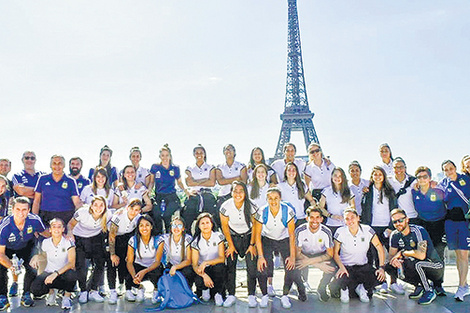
(152, 276)
(417, 272)
(172, 204)
(122, 242)
(66, 282)
(30, 274)
(203, 201)
(359, 274)
(217, 273)
(92, 248)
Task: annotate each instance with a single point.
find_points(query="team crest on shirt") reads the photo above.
(12, 238)
(80, 185)
(449, 189)
(29, 230)
(462, 182)
(412, 243)
(157, 174)
(363, 239)
(401, 243)
(63, 249)
(433, 197)
(65, 185)
(214, 244)
(172, 173)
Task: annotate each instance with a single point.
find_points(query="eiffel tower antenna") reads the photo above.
(297, 115)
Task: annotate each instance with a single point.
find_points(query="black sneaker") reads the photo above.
(440, 291)
(417, 293)
(4, 304)
(323, 295)
(302, 296)
(427, 297)
(26, 300)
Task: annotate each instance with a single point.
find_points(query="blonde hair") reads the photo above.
(103, 216)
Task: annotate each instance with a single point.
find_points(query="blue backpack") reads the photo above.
(175, 292)
(284, 207)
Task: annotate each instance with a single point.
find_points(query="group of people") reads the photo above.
(131, 225)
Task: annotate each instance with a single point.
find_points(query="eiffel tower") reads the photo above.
(297, 115)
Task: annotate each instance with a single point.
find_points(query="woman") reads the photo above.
(131, 190)
(59, 272)
(257, 158)
(142, 174)
(88, 229)
(99, 187)
(258, 187)
(105, 161)
(294, 191)
(318, 170)
(143, 260)
(387, 159)
(275, 227)
(176, 246)
(208, 259)
(465, 165)
(236, 217)
(336, 198)
(200, 178)
(226, 174)
(164, 177)
(357, 184)
(350, 254)
(121, 229)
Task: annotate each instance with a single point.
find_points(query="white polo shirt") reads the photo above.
(313, 243)
(261, 200)
(380, 211)
(122, 221)
(229, 172)
(87, 226)
(279, 166)
(334, 206)
(208, 249)
(236, 217)
(145, 254)
(388, 168)
(405, 201)
(290, 193)
(172, 250)
(354, 249)
(198, 173)
(320, 176)
(274, 228)
(87, 195)
(132, 193)
(357, 192)
(57, 256)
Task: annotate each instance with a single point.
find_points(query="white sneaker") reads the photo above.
(384, 288)
(461, 293)
(264, 301)
(344, 296)
(230, 301)
(140, 295)
(130, 296)
(285, 302)
(50, 299)
(362, 293)
(252, 303)
(397, 288)
(271, 291)
(95, 296)
(66, 303)
(218, 300)
(83, 298)
(206, 295)
(155, 297)
(113, 296)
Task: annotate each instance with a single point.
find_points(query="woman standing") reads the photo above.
(208, 258)
(318, 170)
(130, 190)
(200, 178)
(105, 161)
(336, 198)
(88, 229)
(164, 177)
(258, 186)
(99, 187)
(142, 174)
(59, 272)
(121, 229)
(236, 217)
(143, 261)
(350, 254)
(387, 159)
(357, 184)
(257, 158)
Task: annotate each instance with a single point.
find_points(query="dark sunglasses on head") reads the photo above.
(32, 158)
(400, 220)
(315, 151)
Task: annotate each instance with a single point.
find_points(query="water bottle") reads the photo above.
(401, 273)
(16, 264)
(163, 206)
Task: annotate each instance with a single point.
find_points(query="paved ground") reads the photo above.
(381, 303)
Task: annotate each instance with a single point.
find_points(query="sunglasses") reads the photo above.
(180, 226)
(422, 176)
(32, 158)
(315, 151)
(400, 220)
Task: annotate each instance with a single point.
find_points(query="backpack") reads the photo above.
(175, 292)
(284, 208)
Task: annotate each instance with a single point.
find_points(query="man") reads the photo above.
(314, 246)
(403, 183)
(56, 193)
(5, 168)
(25, 181)
(75, 167)
(279, 166)
(17, 237)
(413, 256)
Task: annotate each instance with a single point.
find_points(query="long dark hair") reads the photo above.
(254, 182)
(108, 166)
(246, 202)
(251, 163)
(386, 189)
(197, 230)
(149, 219)
(344, 190)
(298, 180)
(94, 186)
(124, 179)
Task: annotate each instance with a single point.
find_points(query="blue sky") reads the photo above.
(77, 75)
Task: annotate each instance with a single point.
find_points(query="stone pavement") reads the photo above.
(381, 303)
